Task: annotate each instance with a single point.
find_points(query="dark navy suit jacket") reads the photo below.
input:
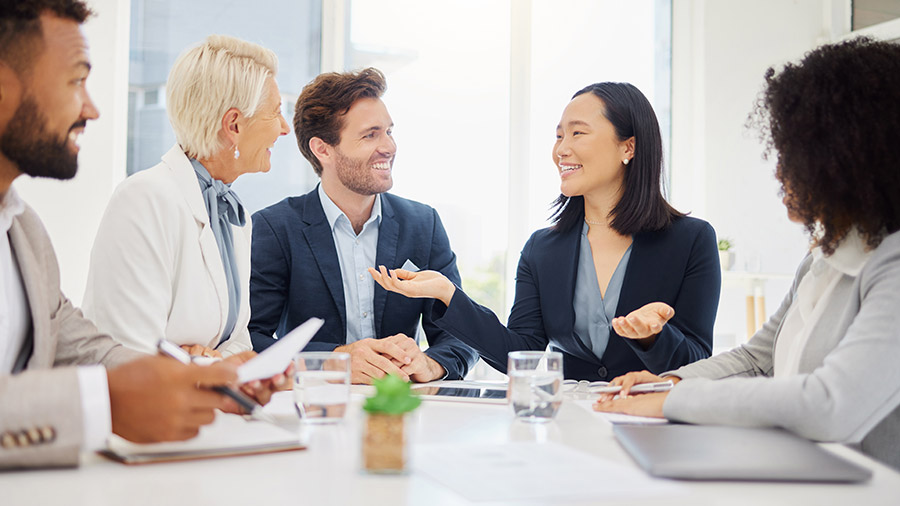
(678, 265)
(295, 275)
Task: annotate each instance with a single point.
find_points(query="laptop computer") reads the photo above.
(704, 452)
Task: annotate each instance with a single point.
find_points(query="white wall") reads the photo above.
(721, 49)
(71, 210)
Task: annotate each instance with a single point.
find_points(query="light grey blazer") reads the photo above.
(45, 395)
(848, 388)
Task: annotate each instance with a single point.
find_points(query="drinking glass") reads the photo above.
(321, 385)
(535, 384)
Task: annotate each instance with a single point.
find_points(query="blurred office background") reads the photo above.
(476, 88)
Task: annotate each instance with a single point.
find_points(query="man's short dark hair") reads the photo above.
(21, 39)
(323, 103)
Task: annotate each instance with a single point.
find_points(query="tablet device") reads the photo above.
(490, 395)
(706, 452)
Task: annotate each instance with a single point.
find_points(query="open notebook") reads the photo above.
(228, 435)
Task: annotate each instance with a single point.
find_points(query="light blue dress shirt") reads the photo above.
(593, 312)
(356, 253)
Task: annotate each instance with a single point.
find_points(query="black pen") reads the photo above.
(253, 408)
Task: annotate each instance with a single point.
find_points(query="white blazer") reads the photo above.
(155, 267)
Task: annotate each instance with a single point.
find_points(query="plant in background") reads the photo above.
(726, 256)
(384, 441)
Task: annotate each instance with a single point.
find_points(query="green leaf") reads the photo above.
(393, 396)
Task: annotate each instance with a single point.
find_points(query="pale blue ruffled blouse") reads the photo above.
(224, 209)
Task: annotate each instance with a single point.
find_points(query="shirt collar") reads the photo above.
(333, 212)
(10, 207)
(849, 257)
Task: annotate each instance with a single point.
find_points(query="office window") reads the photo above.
(163, 29)
(448, 92)
(452, 68)
(448, 66)
(868, 13)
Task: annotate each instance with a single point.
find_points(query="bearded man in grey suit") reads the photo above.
(53, 402)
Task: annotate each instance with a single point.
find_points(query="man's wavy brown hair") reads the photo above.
(834, 122)
(323, 103)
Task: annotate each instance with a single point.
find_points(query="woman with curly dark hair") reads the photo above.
(825, 365)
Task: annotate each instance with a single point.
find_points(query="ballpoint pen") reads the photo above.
(253, 408)
(602, 387)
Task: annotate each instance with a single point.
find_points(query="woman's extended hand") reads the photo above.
(636, 405)
(417, 285)
(626, 381)
(644, 323)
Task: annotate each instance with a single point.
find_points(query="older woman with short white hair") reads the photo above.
(172, 256)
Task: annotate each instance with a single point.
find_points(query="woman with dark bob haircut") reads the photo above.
(825, 365)
(622, 281)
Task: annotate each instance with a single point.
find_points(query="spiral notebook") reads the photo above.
(229, 435)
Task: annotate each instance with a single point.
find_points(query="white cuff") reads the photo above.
(97, 422)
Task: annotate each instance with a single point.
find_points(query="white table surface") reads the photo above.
(328, 471)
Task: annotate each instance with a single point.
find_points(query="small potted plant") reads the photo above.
(726, 256)
(384, 433)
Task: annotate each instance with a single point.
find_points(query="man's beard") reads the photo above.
(27, 143)
(354, 175)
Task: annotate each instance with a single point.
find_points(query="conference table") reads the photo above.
(328, 471)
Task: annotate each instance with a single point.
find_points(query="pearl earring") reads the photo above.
(625, 161)
(237, 153)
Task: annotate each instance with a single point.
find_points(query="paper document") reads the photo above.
(276, 358)
(514, 472)
(281, 406)
(227, 435)
(618, 418)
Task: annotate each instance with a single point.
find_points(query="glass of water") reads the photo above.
(535, 384)
(321, 385)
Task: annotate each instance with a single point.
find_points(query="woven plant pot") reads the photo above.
(384, 443)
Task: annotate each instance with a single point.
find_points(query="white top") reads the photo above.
(813, 296)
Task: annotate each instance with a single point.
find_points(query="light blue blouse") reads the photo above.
(224, 209)
(593, 312)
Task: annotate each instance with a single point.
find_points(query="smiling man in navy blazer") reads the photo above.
(310, 253)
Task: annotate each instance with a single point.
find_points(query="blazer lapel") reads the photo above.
(319, 236)
(386, 255)
(186, 181)
(558, 268)
(43, 347)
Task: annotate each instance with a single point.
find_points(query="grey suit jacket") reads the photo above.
(848, 389)
(45, 395)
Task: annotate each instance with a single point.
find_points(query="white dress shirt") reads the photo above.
(14, 319)
(813, 295)
(15, 324)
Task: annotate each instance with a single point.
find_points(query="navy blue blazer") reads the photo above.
(295, 275)
(678, 265)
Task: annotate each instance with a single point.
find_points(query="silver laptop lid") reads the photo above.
(697, 452)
